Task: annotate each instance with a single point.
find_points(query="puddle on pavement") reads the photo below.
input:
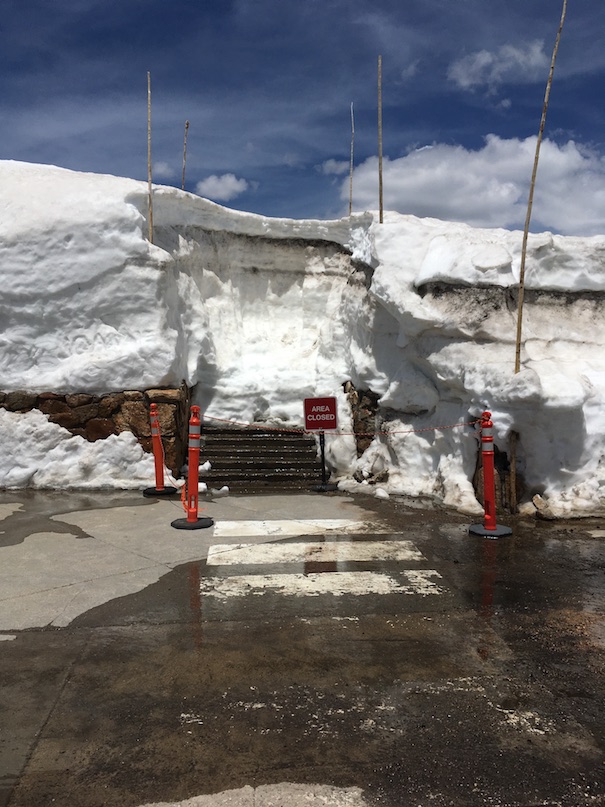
(23, 513)
(489, 690)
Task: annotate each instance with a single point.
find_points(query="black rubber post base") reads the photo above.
(153, 492)
(329, 487)
(200, 524)
(500, 531)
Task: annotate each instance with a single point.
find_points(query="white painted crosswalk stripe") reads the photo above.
(338, 584)
(313, 568)
(330, 552)
(289, 527)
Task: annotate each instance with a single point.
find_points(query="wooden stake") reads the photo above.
(530, 202)
(149, 186)
(184, 155)
(531, 195)
(380, 137)
(351, 166)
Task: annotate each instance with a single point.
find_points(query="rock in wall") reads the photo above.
(95, 417)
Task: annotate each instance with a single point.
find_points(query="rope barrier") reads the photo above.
(187, 493)
(340, 433)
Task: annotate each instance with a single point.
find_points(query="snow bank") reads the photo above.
(39, 454)
(83, 292)
(256, 314)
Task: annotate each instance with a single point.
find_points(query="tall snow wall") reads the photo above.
(255, 314)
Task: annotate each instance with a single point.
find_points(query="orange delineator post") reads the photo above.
(489, 481)
(158, 448)
(193, 476)
(489, 528)
(158, 457)
(191, 501)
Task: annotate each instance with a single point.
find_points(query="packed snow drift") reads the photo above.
(257, 314)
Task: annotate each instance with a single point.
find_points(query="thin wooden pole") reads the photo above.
(184, 154)
(351, 165)
(530, 201)
(380, 207)
(514, 436)
(149, 185)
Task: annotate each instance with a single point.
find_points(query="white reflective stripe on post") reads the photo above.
(488, 432)
(155, 430)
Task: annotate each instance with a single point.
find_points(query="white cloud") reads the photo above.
(490, 69)
(221, 188)
(337, 167)
(489, 187)
(162, 170)
(410, 71)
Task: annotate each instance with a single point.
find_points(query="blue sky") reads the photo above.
(267, 87)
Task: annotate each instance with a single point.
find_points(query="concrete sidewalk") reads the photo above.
(144, 665)
(65, 553)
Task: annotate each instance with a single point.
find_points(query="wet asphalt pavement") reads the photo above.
(140, 665)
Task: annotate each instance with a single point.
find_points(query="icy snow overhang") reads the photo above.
(429, 251)
(87, 303)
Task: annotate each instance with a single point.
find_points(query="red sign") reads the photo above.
(320, 414)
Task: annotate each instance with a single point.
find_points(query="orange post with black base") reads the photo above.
(160, 488)
(489, 528)
(192, 521)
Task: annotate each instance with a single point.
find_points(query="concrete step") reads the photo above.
(272, 451)
(260, 459)
(252, 439)
(253, 432)
(247, 482)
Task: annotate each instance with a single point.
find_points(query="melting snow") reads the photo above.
(256, 314)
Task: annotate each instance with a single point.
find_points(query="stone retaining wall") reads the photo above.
(364, 408)
(96, 417)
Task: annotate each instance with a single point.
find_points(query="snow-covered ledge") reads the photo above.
(256, 314)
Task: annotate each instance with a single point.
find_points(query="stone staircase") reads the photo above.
(259, 460)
